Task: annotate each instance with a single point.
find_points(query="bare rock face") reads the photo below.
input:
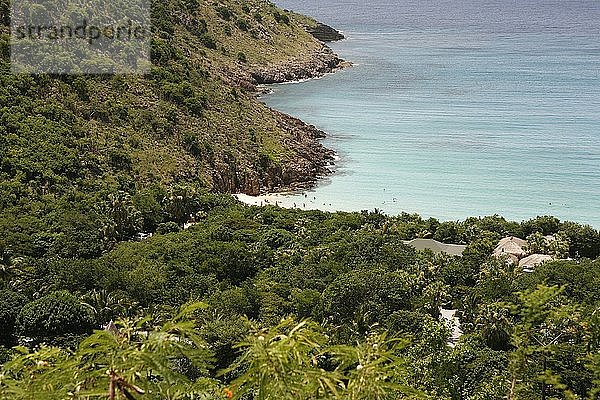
(311, 160)
(325, 33)
(229, 178)
(322, 62)
(308, 161)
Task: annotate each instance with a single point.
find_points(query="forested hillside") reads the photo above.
(76, 151)
(225, 300)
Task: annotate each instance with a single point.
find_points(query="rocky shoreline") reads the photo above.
(315, 65)
(311, 160)
(296, 171)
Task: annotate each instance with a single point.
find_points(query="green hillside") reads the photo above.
(71, 145)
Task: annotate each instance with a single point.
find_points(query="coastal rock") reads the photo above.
(297, 170)
(317, 64)
(325, 33)
(310, 161)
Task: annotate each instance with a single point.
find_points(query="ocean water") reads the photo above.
(458, 108)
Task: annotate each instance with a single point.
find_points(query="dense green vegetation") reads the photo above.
(78, 152)
(249, 302)
(351, 273)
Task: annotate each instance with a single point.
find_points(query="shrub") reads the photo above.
(234, 302)
(5, 355)
(222, 334)
(279, 17)
(81, 88)
(4, 13)
(242, 57)
(59, 313)
(306, 303)
(242, 24)
(162, 51)
(276, 238)
(168, 227)
(208, 41)
(11, 304)
(224, 13)
(196, 104)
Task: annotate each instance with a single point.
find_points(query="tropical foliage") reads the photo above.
(305, 304)
(123, 275)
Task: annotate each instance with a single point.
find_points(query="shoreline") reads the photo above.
(282, 199)
(311, 161)
(260, 200)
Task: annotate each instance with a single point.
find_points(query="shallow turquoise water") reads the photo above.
(458, 108)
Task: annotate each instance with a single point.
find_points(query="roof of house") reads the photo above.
(437, 247)
(512, 239)
(534, 260)
(511, 245)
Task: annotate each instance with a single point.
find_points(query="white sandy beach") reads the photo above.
(287, 200)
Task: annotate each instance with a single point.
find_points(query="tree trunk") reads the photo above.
(544, 383)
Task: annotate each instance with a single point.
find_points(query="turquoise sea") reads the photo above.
(458, 108)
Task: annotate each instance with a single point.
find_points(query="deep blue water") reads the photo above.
(458, 108)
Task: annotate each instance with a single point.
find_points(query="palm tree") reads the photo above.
(122, 219)
(108, 306)
(10, 266)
